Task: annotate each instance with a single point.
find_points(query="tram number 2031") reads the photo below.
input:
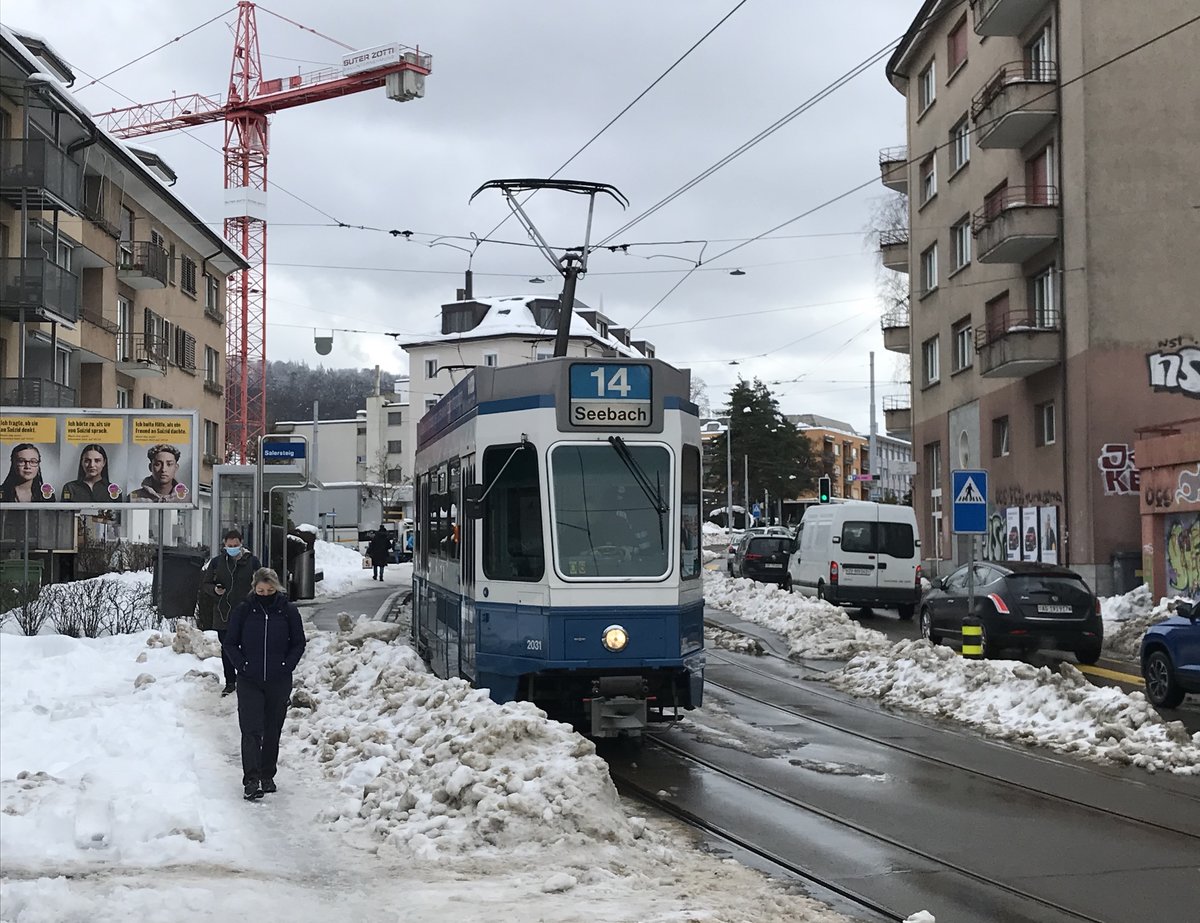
(532, 645)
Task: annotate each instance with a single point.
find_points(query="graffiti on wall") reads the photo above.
(1018, 496)
(1176, 372)
(1187, 488)
(1183, 554)
(997, 530)
(1117, 469)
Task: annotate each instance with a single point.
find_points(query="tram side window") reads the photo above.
(450, 502)
(689, 512)
(513, 548)
(439, 511)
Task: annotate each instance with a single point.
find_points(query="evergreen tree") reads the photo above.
(779, 456)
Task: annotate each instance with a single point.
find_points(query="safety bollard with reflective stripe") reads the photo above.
(972, 638)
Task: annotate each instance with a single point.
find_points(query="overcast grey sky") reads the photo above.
(516, 88)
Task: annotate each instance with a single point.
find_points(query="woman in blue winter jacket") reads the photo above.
(265, 641)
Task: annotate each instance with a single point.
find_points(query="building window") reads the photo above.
(1000, 437)
(171, 264)
(1039, 178)
(960, 145)
(930, 353)
(394, 447)
(212, 294)
(429, 402)
(187, 276)
(124, 329)
(491, 360)
(929, 270)
(395, 476)
(431, 368)
(212, 366)
(212, 434)
(544, 354)
(963, 352)
(149, 402)
(1039, 58)
(956, 47)
(960, 240)
(1042, 303)
(1045, 423)
(395, 418)
(123, 398)
(125, 248)
(928, 178)
(926, 88)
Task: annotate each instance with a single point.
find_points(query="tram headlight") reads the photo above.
(615, 638)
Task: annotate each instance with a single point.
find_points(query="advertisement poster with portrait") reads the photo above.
(1029, 533)
(1013, 533)
(88, 459)
(1048, 518)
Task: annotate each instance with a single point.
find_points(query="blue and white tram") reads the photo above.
(557, 555)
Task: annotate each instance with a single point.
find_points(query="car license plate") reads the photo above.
(779, 566)
(850, 569)
(1055, 610)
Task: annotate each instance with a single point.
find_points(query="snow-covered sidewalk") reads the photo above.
(401, 797)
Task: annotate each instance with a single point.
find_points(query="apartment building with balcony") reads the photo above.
(112, 289)
(1051, 256)
(839, 451)
(499, 332)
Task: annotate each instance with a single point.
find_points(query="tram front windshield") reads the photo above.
(610, 516)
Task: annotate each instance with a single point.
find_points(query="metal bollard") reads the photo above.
(972, 638)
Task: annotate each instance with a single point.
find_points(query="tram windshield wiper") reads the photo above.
(652, 492)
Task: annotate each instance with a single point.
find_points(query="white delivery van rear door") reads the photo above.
(854, 538)
(896, 548)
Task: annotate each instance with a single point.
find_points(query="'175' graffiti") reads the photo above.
(1178, 372)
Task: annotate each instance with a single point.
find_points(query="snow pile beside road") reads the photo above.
(434, 767)
(813, 628)
(341, 567)
(1025, 704)
(1127, 617)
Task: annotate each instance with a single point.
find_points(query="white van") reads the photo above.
(858, 553)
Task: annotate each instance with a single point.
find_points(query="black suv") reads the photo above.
(762, 557)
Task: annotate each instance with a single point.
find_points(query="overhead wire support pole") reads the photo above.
(573, 263)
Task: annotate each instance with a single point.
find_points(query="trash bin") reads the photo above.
(182, 568)
(13, 574)
(302, 580)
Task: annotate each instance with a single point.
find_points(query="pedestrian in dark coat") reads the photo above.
(228, 579)
(265, 641)
(379, 550)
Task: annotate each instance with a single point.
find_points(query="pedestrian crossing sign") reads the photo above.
(970, 490)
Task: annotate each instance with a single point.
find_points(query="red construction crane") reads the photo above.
(245, 109)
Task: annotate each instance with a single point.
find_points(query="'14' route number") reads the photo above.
(618, 383)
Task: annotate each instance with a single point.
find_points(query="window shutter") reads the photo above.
(148, 329)
(189, 351)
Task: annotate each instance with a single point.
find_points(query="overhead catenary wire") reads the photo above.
(143, 57)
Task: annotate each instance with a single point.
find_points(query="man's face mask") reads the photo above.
(233, 551)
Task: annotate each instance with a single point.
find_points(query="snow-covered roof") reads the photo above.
(512, 316)
(228, 259)
(46, 54)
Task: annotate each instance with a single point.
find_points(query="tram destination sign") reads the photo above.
(606, 395)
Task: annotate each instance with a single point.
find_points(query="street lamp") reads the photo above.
(729, 475)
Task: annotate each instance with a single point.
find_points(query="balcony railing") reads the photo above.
(213, 387)
(1018, 343)
(140, 355)
(96, 319)
(893, 249)
(1016, 103)
(895, 326)
(39, 174)
(40, 288)
(142, 265)
(893, 168)
(897, 413)
(1015, 223)
(35, 392)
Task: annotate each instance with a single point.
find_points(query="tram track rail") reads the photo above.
(809, 688)
(792, 866)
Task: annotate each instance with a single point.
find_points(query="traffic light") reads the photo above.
(824, 488)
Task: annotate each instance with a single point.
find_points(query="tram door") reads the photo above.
(467, 534)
